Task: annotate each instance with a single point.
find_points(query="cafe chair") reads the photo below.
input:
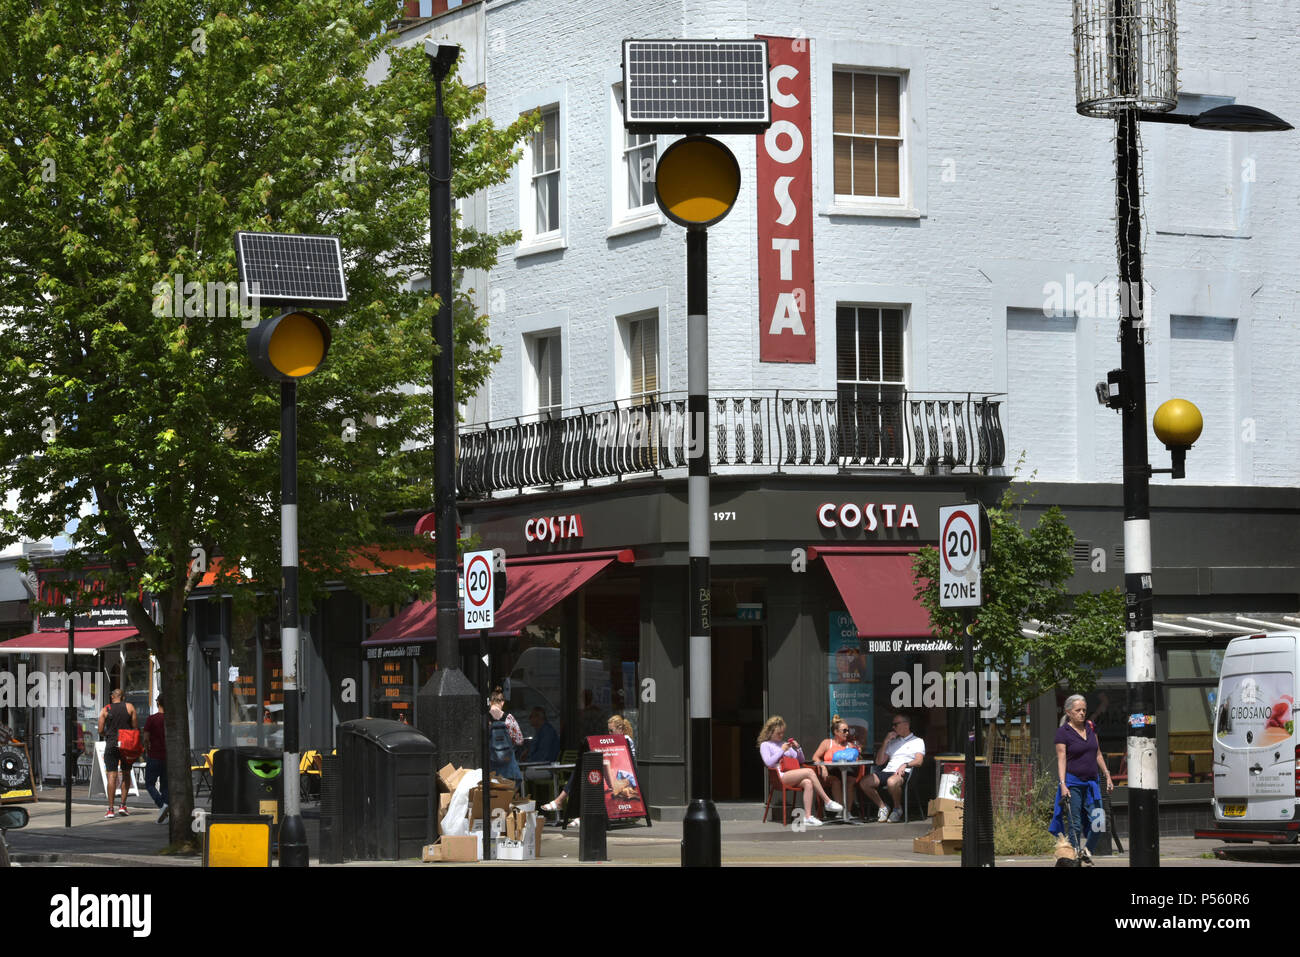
(774, 784)
(309, 773)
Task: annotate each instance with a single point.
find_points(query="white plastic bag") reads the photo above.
(456, 821)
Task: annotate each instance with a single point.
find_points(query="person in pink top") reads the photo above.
(786, 758)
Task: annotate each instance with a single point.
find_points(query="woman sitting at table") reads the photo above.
(838, 747)
(786, 759)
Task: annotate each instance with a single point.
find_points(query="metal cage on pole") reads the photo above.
(1125, 56)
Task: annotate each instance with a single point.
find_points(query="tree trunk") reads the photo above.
(176, 708)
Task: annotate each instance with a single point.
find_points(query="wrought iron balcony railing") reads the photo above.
(858, 427)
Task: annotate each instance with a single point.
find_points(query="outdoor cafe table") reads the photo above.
(843, 767)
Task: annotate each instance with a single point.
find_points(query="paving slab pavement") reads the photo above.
(136, 841)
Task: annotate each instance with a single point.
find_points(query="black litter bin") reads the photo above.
(388, 790)
(248, 781)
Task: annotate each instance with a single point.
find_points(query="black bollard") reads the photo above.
(591, 842)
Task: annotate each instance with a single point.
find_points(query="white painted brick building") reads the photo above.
(1006, 191)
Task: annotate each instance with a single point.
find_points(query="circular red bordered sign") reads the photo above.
(478, 596)
(966, 520)
(593, 777)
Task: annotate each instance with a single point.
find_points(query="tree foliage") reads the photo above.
(1025, 580)
(135, 139)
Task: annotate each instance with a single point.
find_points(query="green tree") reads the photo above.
(1078, 636)
(135, 139)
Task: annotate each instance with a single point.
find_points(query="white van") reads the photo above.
(1256, 751)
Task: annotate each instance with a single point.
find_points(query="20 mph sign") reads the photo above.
(959, 556)
(480, 609)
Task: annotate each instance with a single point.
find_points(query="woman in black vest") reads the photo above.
(116, 717)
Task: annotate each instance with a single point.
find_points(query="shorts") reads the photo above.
(883, 776)
(113, 760)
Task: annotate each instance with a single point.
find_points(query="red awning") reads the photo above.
(876, 585)
(535, 584)
(88, 641)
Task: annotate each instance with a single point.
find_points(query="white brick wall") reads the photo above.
(1019, 192)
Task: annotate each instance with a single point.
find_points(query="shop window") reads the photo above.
(870, 383)
(392, 689)
(868, 136)
(1190, 718)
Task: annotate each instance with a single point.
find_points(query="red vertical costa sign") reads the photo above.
(785, 209)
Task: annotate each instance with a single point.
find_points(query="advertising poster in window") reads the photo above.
(785, 208)
(622, 790)
(849, 682)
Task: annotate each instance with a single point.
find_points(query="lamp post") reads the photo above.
(442, 57)
(287, 348)
(1125, 68)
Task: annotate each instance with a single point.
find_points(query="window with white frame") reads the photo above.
(643, 358)
(545, 172)
(633, 166)
(869, 161)
(547, 368)
(870, 382)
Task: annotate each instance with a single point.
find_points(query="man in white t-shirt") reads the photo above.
(900, 755)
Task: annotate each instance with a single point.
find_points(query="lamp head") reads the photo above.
(1178, 423)
(1237, 118)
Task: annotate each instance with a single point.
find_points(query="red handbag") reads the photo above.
(789, 762)
(128, 743)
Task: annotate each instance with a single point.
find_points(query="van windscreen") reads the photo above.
(1255, 710)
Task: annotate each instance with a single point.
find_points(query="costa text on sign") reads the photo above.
(849, 515)
(554, 528)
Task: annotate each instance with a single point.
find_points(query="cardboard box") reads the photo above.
(948, 832)
(947, 819)
(454, 848)
(943, 805)
(503, 793)
(449, 776)
(444, 802)
(924, 845)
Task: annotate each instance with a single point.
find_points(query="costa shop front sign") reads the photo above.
(868, 516)
(785, 209)
(553, 528)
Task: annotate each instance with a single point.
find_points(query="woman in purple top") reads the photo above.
(1079, 763)
(773, 746)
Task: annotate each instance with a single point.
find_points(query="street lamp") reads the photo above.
(442, 57)
(1126, 68)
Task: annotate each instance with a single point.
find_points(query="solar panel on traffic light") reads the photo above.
(695, 86)
(288, 268)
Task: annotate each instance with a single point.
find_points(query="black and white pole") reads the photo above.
(70, 718)
(702, 828)
(293, 832)
(1140, 655)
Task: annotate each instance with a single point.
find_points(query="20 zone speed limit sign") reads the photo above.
(959, 556)
(479, 606)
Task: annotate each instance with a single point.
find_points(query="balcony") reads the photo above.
(877, 429)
